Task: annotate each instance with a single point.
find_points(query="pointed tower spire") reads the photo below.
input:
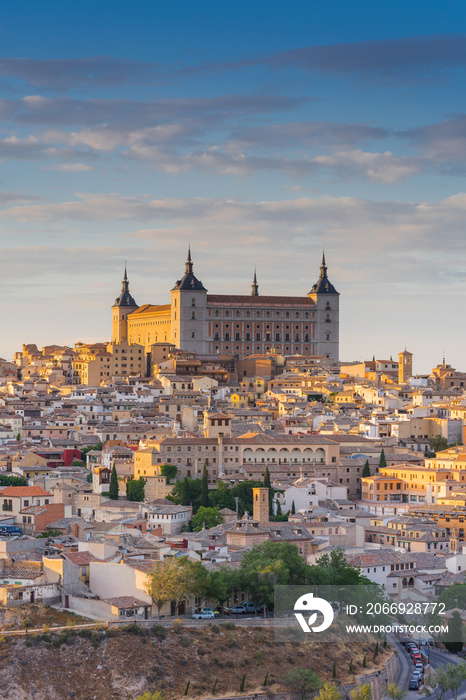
(189, 262)
(254, 286)
(125, 298)
(323, 267)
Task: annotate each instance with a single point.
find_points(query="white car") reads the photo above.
(417, 674)
(207, 615)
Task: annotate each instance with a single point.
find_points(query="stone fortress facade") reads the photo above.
(232, 324)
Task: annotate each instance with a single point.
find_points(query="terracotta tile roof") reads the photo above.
(80, 558)
(22, 491)
(249, 300)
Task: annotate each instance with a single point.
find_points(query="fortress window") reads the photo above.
(216, 325)
(248, 313)
(227, 336)
(296, 314)
(237, 336)
(237, 314)
(193, 334)
(258, 314)
(258, 336)
(227, 313)
(306, 314)
(287, 337)
(247, 347)
(268, 314)
(267, 326)
(193, 302)
(193, 315)
(237, 325)
(277, 336)
(287, 314)
(306, 337)
(248, 337)
(216, 312)
(327, 336)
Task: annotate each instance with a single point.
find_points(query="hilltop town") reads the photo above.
(209, 457)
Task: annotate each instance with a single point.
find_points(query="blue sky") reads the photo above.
(261, 132)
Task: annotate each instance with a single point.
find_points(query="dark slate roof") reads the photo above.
(189, 281)
(125, 298)
(323, 284)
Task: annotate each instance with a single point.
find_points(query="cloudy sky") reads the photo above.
(260, 131)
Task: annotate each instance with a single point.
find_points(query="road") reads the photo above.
(436, 657)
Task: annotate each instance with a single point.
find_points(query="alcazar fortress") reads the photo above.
(232, 324)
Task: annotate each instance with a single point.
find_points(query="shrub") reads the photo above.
(260, 637)
(303, 681)
(159, 631)
(85, 633)
(185, 641)
(260, 657)
(215, 628)
(45, 637)
(229, 625)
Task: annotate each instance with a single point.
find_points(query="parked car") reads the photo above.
(417, 674)
(419, 667)
(413, 684)
(245, 608)
(10, 530)
(207, 615)
(216, 612)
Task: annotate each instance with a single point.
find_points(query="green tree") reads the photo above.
(268, 485)
(222, 583)
(12, 480)
(456, 675)
(303, 680)
(453, 639)
(279, 517)
(169, 471)
(293, 508)
(333, 569)
(176, 579)
(185, 495)
(395, 692)
(222, 497)
(204, 500)
(243, 492)
(382, 460)
(269, 564)
(367, 470)
(208, 517)
(113, 490)
(438, 443)
(135, 489)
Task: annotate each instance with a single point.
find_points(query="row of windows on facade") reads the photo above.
(265, 314)
(268, 337)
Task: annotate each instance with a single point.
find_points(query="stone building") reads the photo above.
(235, 324)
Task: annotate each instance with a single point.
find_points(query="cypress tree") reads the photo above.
(383, 461)
(204, 500)
(279, 508)
(185, 492)
(113, 490)
(367, 470)
(293, 509)
(268, 485)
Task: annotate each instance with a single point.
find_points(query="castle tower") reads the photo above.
(254, 286)
(405, 366)
(260, 500)
(326, 297)
(124, 305)
(189, 312)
